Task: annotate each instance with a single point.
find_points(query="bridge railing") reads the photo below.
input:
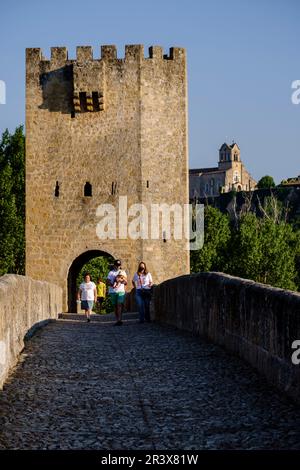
(25, 304)
(259, 323)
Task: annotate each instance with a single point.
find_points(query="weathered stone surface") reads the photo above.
(96, 386)
(137, 145)
(25, 304)
(256, 321)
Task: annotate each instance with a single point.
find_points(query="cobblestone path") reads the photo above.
(95, 386)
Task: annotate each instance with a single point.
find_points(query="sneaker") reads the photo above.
(88, 320)
(118, 323)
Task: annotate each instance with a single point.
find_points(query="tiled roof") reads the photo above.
(203, 170)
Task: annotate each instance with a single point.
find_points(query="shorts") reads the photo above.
(100, 299)
(87, 304)
(117, 298)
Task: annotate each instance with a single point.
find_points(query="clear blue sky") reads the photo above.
(242, 58)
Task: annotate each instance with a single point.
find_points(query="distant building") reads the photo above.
(230, 174)
(291, 181)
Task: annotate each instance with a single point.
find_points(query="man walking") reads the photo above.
(87, 294)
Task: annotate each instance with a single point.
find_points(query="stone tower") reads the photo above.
(97, 129)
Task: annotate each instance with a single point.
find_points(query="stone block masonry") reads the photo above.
(25, 305)
(117, 126)
(259, 323)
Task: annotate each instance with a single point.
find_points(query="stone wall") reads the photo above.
(132, 143)
(25, 305)
(257, 322)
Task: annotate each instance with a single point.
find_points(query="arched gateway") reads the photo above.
(96, 130)
(74, 271)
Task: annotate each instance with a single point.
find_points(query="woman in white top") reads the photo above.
(142, 281)
(87, 293)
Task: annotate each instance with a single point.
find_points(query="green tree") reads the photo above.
(213, 255)
(278, 263)
(296, 247)
(9, 222)
(266, 182)
(264, 247)
(264, 250)
(245, 248)
(12, 202)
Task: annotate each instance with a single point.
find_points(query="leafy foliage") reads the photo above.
(265, 249)
(266, 182)
(12, 202)
(216, 237)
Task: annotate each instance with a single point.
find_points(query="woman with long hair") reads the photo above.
(142, 281)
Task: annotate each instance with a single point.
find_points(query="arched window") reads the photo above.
(87, 189)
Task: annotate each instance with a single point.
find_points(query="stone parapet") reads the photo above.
(25, 305)
(259, 323)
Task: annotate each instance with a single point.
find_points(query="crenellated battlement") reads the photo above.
(59, 55)
(86, 77)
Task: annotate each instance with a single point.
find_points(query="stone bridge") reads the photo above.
(213, 371)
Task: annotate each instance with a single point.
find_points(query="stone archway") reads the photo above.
(75, 269)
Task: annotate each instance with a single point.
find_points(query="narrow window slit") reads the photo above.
(114, 186)
(88, 189)
(82, 98)
(56, 191)
(95, 101)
